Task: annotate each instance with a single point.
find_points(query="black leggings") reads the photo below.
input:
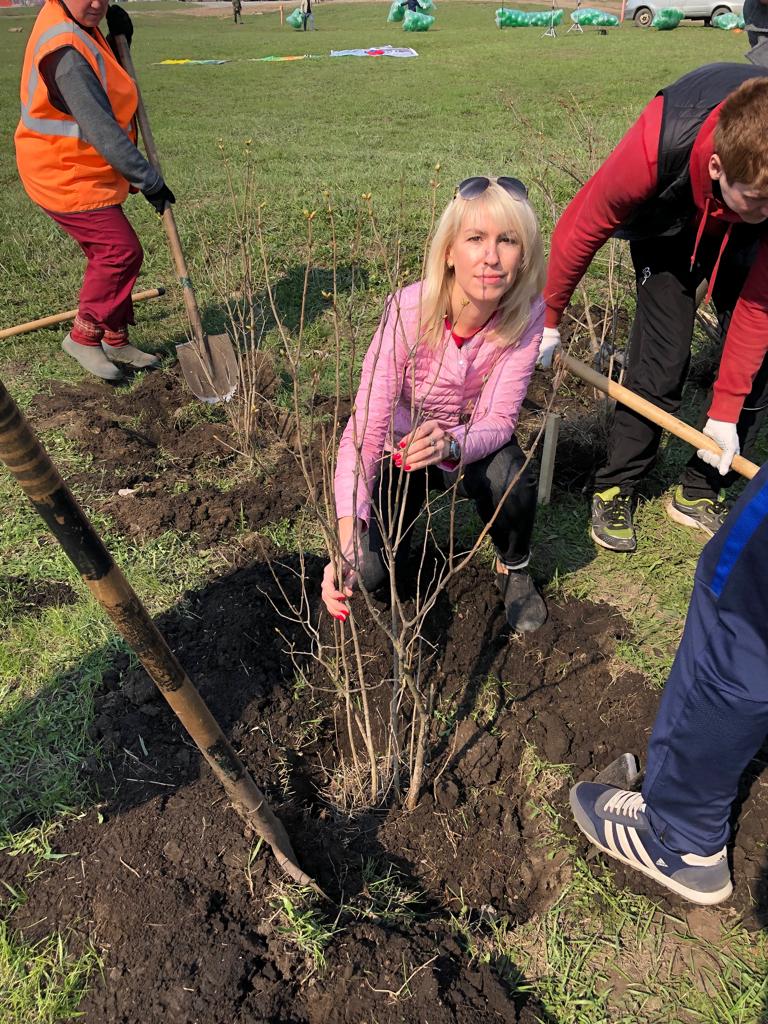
(484, 481)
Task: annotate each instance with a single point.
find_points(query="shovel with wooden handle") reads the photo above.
(208, 362)
(30, 464)
(663, 419)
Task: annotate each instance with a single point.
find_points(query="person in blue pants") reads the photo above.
(712, 720)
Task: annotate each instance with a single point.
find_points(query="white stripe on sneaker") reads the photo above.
(626, 847)
(609, 836)
(640, 851)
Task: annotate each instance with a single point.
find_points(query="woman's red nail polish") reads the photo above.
(402, 444)
(407, 468)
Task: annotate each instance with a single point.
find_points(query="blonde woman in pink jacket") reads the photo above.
(440, 393)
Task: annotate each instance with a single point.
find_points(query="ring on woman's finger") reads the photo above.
(433, 442)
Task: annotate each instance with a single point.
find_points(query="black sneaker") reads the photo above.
(523, 603)
(707, 514)
(612, 525)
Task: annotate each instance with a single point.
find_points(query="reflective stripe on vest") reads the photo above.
(44, 126)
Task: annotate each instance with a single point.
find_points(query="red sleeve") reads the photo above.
(746, 343)
(625, 180)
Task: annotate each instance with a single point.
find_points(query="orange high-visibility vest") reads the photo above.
(58, 168)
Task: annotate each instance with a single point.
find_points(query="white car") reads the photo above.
(642, 11)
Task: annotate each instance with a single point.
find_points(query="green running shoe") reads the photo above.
(707, 514)
(612, 526)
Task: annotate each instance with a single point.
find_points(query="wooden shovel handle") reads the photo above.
(70, 314)
(169, 222)
(30, 464)
(651, 412)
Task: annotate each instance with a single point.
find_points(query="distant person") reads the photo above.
(755, 16)
(712, 721)
(77, 158)
(440, 392)
(237, 10)
(307, 15)
(688, 187)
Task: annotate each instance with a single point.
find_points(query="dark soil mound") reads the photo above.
(163, 889)
(174, 459)
(177, 466)
(25, 596)
(157, 876)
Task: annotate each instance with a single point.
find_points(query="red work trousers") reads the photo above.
(114, 256)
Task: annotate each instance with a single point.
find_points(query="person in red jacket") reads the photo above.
(77, 159)
(688, 187)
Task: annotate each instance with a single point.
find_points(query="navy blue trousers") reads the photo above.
(713, 716)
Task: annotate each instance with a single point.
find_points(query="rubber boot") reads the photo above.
(92, 359)
(131, 355)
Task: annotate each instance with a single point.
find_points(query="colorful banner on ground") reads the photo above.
(373, 51)
(377, 51)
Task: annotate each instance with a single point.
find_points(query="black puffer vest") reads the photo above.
(688, 102)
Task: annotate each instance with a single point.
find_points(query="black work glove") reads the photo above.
(119, 24)
(159, 198)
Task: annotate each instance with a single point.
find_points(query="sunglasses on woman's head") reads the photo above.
(471, 188)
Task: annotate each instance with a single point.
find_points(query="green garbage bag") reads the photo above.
(508, 17)
(415, 21)
(396, 11)
(428, 6)
(727, 22)
(295, 19)
(667, 18)
(594, 16)
(543, 19)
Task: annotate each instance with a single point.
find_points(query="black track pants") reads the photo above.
(659, 355)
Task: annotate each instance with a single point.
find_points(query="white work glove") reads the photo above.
(550, 343)
(725, 435)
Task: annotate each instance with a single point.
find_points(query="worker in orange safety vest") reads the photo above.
(77, 157)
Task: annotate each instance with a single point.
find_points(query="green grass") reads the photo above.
(40, 983)
(651, 587)
(475, 101)
(300, 921)
(351, 126)
(604, 955)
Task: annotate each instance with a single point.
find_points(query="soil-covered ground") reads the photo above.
(158, 462)
(159, 874)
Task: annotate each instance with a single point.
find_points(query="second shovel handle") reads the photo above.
(652, 412)
(169, 221)
(69, 314)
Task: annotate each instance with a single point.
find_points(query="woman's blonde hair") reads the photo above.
(511, 213)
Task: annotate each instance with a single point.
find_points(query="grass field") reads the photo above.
(475, 101)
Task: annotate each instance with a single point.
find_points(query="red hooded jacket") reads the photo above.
(626, 180)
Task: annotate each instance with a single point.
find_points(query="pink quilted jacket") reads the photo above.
(474, 391)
